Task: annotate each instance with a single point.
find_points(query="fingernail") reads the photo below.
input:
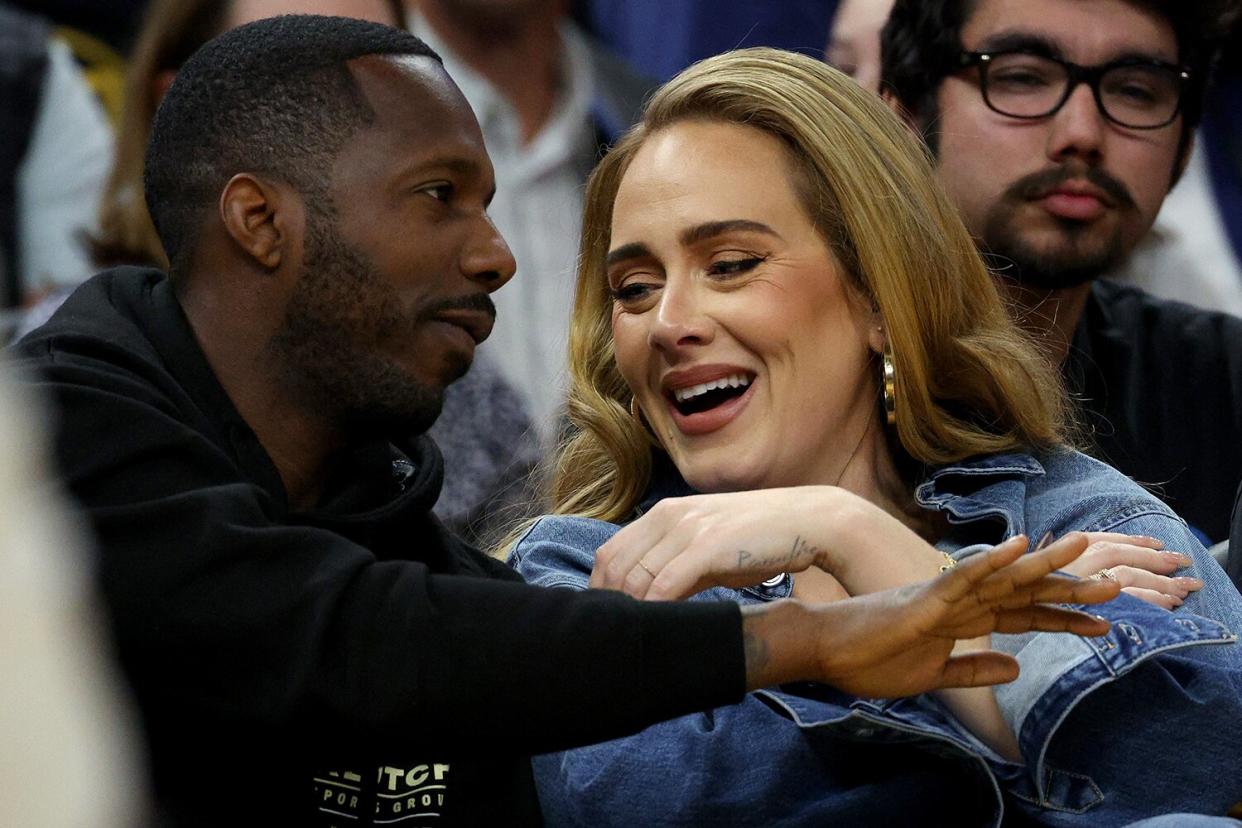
(1179, 558)
(1189, 584)
(1151, 540)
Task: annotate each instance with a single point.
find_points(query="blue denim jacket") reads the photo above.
(1140, 722)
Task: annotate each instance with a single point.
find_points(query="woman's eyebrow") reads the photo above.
(635, 250)
(692, 235)
(711, 229)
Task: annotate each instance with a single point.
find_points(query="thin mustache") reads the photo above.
(474, 302)
(1040, 184)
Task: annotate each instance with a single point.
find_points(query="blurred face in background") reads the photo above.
(1066, 196)
(854, 44)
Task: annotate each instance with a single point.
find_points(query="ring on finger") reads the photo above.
(647, 569)
(1105, 574)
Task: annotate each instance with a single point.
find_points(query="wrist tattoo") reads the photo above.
(781, 560)
(755, 650)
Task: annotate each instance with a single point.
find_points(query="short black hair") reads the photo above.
(921, 44)
(274, 97)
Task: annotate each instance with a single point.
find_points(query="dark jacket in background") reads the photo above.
(1160, 387)
(23, 68)
(307, 669)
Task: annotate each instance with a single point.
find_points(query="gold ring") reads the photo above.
(647, 570)
(1106, 574)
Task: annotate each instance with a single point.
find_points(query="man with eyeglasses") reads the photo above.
(1058, 127)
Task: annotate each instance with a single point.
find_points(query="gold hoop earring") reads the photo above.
(888, 382)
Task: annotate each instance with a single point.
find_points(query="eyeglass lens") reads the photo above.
(1030, 86)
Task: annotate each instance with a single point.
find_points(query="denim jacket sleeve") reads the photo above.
(1145, 714)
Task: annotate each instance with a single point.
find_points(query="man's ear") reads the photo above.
(904, 114)
(256, 214)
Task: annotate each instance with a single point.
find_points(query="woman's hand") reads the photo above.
(687, 544)
(1139, 564)
(900, 642)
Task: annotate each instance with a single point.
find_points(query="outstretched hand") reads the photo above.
(900, 642)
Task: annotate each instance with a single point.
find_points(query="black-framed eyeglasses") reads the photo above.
(1136, 93)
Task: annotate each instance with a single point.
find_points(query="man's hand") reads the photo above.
(900, 642)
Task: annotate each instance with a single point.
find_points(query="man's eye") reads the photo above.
(440, 192)
(1015, 79)
(731, 267)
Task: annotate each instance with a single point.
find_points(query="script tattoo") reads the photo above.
(799, 550)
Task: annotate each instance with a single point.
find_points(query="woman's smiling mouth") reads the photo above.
(707, 406)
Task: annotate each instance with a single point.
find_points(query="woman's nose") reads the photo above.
(680, 319)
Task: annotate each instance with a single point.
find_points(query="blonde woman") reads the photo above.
(777, 308)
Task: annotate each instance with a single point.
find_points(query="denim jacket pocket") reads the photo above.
(1072, 793)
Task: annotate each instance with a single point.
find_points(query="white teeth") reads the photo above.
(731, 381)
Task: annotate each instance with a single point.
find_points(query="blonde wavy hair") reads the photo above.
(968, 382)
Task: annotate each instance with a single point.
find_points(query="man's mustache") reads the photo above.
(1037, 185)
(478, 302)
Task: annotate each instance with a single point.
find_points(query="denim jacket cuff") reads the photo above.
(1060, 670)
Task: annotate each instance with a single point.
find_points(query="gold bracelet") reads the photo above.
(949, 562)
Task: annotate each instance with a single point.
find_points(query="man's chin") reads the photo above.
(1065, 258)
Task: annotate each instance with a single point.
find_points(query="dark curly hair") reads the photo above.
(272, 97)
(921, 43)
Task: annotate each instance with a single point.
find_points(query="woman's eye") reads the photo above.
(730, 267)
(632, 292)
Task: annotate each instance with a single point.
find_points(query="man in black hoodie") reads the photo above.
(306, 644)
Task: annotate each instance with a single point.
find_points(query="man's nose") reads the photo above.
(1077, 128)
(487, 258)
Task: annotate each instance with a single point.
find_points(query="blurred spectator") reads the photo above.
(100, 33)
(662, 38)
(55, 146)
(548, 98)
(66, 756)
(1194, 251)
(854, 42)
(115, 22)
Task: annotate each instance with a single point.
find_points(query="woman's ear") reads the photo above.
(877, 336)
(257, 214)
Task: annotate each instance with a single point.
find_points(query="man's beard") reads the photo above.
(328, 346)
(1082, 253)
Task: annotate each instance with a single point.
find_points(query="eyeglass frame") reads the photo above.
(1076, 74)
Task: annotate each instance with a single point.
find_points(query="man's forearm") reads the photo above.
(780, 643)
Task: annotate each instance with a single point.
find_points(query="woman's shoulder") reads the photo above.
(558, 550)
(1079, 492)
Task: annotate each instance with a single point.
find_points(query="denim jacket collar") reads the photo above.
(991, 486)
